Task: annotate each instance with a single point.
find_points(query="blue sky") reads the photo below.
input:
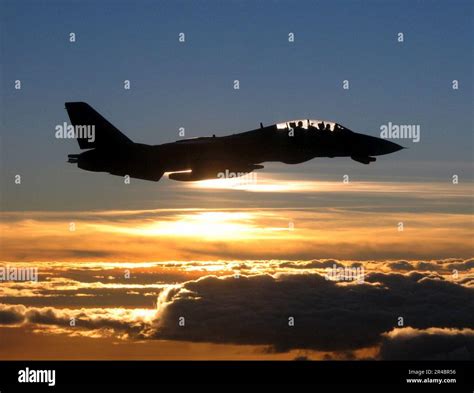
(191, 84)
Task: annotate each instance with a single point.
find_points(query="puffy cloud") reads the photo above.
(328, 315)
(86, 321)
(462, 265)
(12, 315)
(428, 344)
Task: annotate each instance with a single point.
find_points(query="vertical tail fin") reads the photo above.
(106, 135)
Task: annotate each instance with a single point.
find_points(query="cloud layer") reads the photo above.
(354, 232)
(327, 315)
(401, 309)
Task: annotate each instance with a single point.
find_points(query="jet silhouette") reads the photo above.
(194, 159)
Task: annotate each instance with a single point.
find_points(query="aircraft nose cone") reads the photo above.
(374, 146)
(390, 147)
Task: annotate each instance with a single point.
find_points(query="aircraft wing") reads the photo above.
(151, 175)
(215, 170)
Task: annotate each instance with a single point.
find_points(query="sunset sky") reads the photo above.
(238, 258)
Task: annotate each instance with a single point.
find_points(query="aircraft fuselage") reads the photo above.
(204, 158)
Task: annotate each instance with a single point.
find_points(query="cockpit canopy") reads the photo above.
(311, 124)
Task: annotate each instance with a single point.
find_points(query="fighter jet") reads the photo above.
(290, 142)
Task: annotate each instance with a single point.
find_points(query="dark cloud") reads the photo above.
(434, 266)
(462, 265)
(328, 316)
(84, 319)
(401, 265)
(12, 315)
(72, 252)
